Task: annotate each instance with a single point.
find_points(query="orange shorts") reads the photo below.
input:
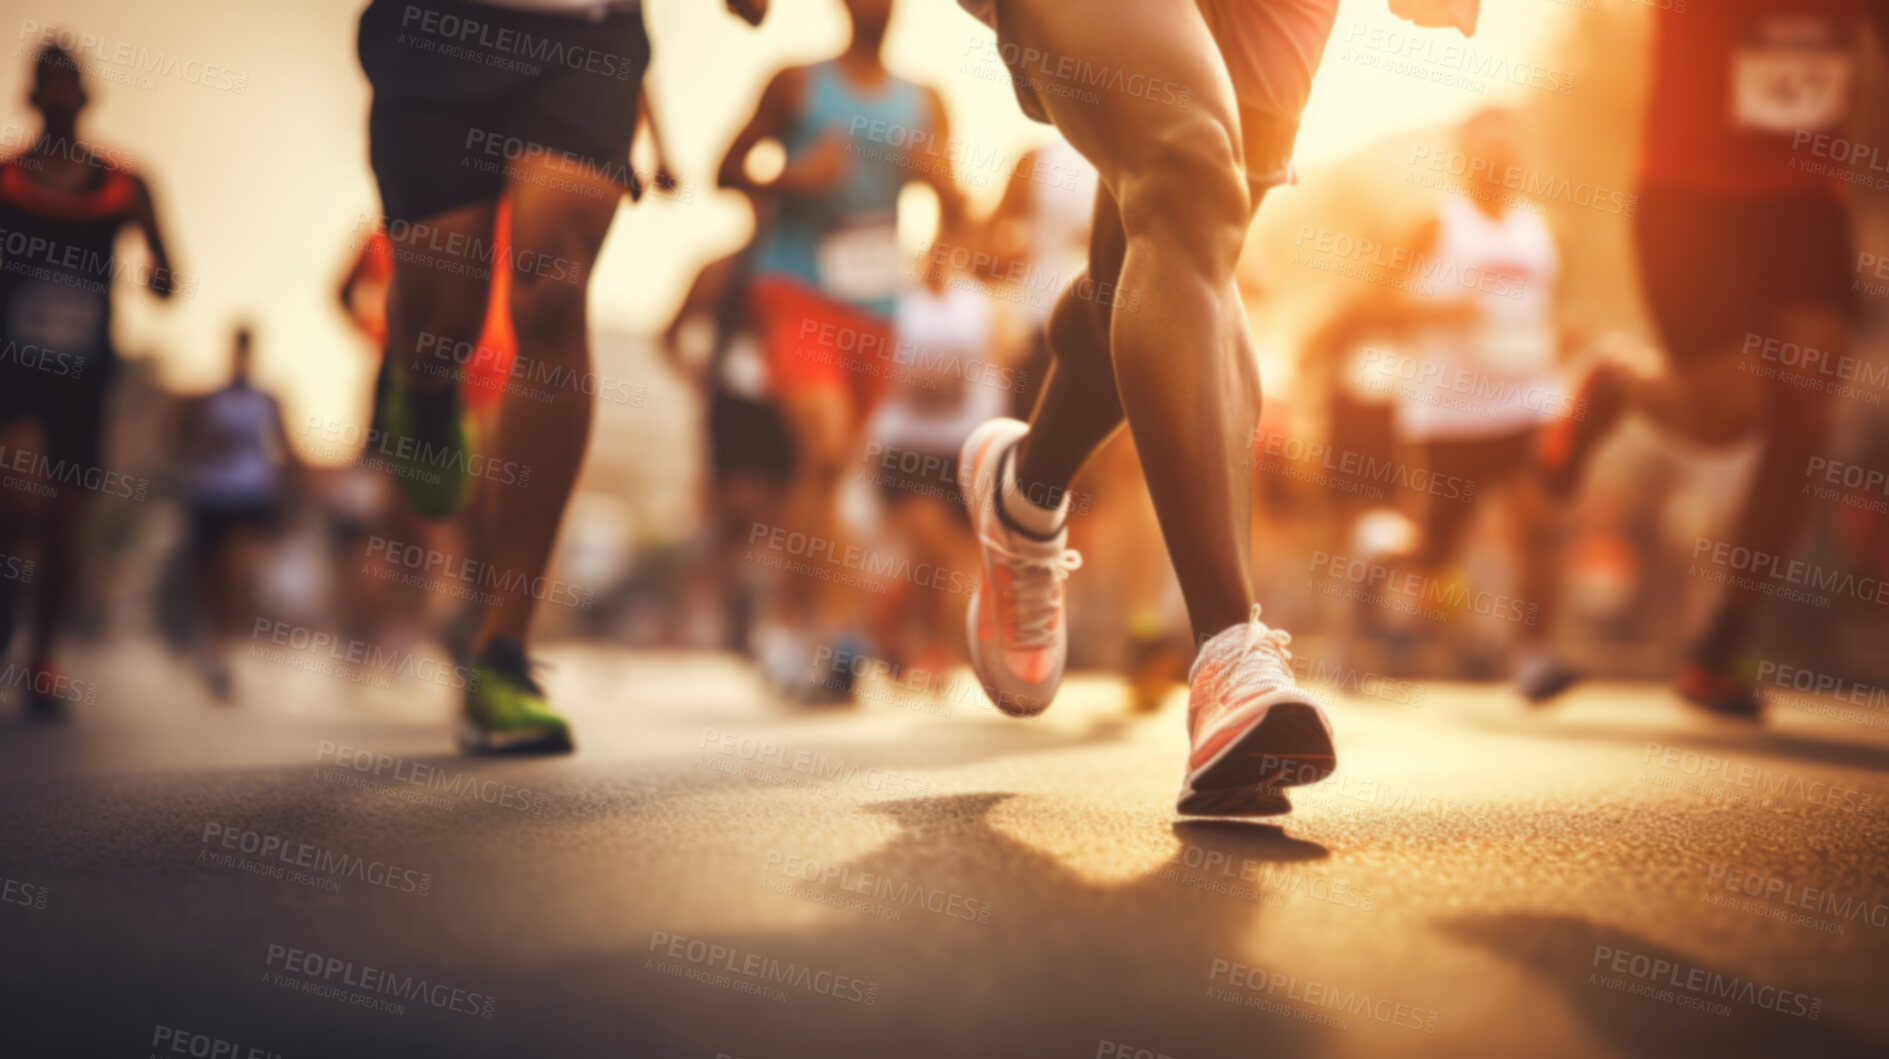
(812, 341)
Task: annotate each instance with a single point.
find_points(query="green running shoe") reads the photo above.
(505, 708)
(428, 441)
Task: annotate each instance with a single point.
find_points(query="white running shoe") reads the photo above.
(1254, 730)
(1018, 638)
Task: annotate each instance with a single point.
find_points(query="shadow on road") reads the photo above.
(1560, 952)
(1243, 840)
(1062, 963)
(946, 746)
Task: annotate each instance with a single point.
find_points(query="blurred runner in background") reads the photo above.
(237, 468)
(1040, 232)
(57, 362)
(947, 329)
(826, 281)
(450, 135)
(1481, 378)
(750, 454)
(1743, 234)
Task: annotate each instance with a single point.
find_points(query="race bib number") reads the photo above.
(57, 317)
(860, 262)
(1799, 76)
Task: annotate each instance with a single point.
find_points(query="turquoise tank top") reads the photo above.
(844, 243)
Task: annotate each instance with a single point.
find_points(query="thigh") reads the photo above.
(74, 412)
(1806, 261)
(559, 220)
(1697, 270)
(1121, 79)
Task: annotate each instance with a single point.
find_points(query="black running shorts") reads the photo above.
(462, 91)
(1716, 269)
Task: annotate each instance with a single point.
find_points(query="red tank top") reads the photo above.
(1742, 89)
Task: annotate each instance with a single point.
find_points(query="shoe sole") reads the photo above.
(1547, 693)
(1289, 748)
(1250, 801)
(476, 740)
(1016, 704)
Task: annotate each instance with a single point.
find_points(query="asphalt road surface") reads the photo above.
(312, 871)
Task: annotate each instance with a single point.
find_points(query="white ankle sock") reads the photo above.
(1036, 520)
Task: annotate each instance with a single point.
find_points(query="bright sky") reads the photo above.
(265, 191)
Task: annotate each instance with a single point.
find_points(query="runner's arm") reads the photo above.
(710, 286)
(815, 171)
(1400, 311)
(144, 211)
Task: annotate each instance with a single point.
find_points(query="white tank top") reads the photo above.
(1497, 374)
(238, 461)
(950, 382)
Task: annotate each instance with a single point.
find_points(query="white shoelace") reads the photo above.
(1035, 595)
(1265, 654)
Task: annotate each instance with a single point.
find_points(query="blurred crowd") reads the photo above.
(1408, 527)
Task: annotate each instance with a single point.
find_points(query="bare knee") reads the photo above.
(1188, 190)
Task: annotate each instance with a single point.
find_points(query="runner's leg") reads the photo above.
(1796, 421)
(62, 524)
(559, 221)
(1181, 356)
(1535, 521)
